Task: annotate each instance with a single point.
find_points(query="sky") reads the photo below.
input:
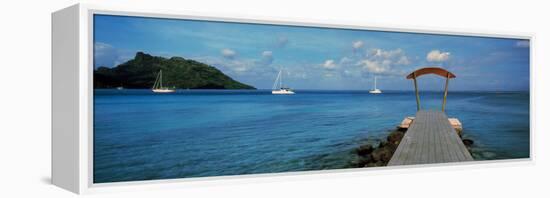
(318, 58)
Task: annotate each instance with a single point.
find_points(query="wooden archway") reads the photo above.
(431, 70)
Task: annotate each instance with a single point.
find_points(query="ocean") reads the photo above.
(139, 135)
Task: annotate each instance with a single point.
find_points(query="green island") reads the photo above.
(179, 73)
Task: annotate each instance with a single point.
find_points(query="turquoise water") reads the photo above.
(139, 135)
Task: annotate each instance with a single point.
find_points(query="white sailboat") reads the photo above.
(158, 88)
(375, 90)
(278, 87)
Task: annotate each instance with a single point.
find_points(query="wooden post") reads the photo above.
(445, 96)
(416, 92)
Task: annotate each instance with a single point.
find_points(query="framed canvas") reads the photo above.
(174, 99)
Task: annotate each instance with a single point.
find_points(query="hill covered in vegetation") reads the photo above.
(141, 72)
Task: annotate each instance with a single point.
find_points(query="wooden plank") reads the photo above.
(415, 143)
(425, 140)
(441, 149)
(454, 140)
(433, 147)
(461, 151)
(406, 123)
(425, 144)
(430, 139)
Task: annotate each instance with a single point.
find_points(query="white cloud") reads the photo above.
(438, 56)
(384, 62)
(231, 64)
(388, 54)
(106, 55)
(347, 73)
(267, 53)
(403, 61)
(357, 45)
(267, 57)
(295, 71)
(329, 75)
(351, 73)
(329, 64)
(228, 53)
(239, 67)
(345, 60)
(377, 67)
(524, 43)
(100, 47)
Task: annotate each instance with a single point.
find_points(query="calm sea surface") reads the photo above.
(139, 135)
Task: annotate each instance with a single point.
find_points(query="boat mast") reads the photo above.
(160, 79)
(374, 82)
(281, 80)
(156, 81)
(276, 80)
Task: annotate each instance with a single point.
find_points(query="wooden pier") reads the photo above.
(430, 138)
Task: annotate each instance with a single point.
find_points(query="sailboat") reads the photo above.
(158, 88)
(278, 87)
(375, 90)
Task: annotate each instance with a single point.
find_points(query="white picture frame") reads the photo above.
(72, 100)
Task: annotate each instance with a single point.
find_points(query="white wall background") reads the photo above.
(25, 98)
